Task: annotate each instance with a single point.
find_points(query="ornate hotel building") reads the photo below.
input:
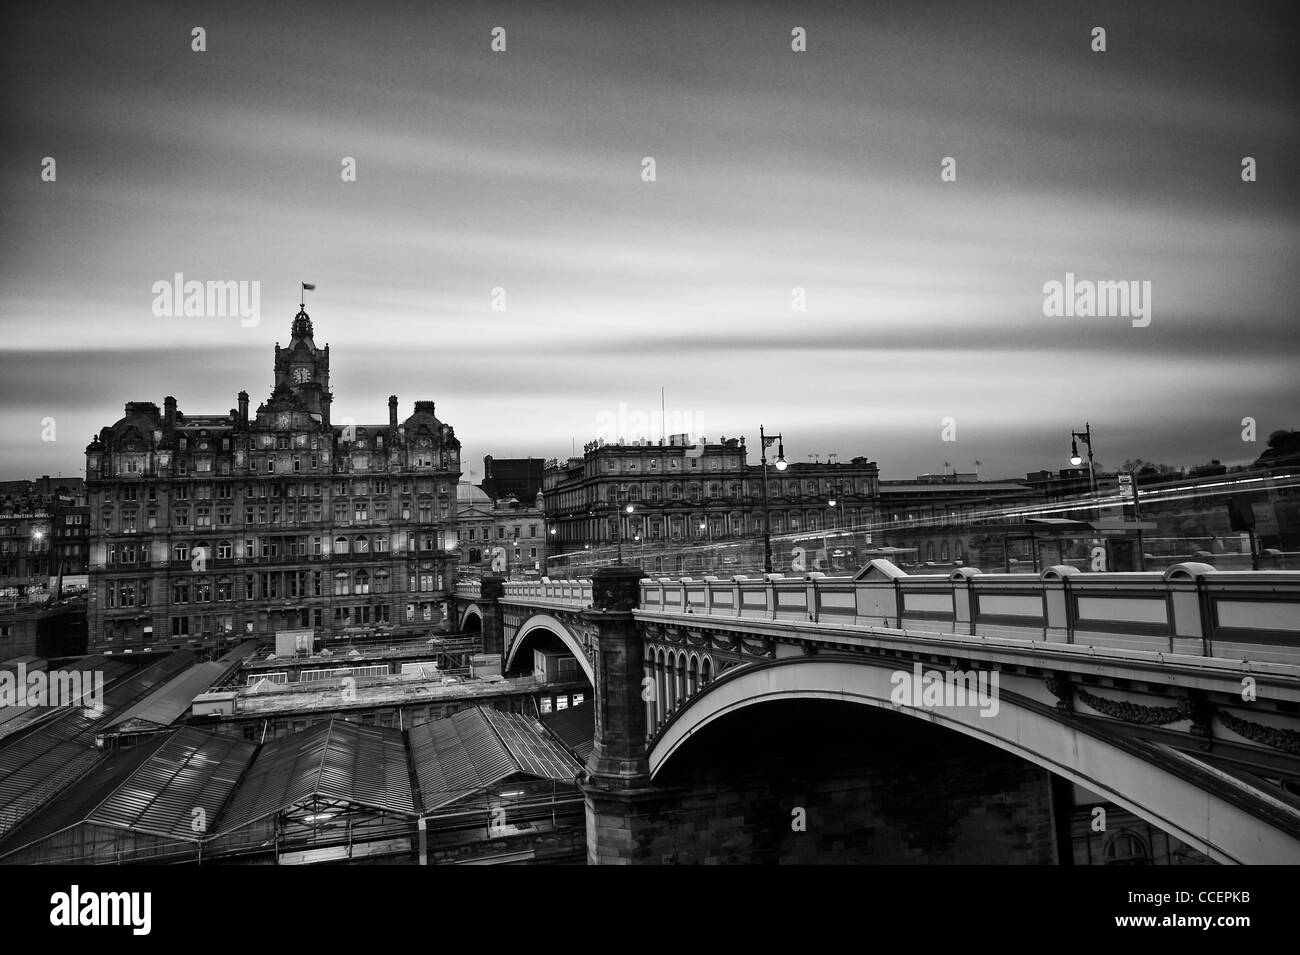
(208, 528)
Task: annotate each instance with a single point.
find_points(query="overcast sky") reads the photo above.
(774, 170)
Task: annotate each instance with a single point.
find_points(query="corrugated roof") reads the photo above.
(535, 751)
(153, 788)
(14, 719)
(167, 703)
(576, 728)
(479, 747)
(37, 764)
(362, 765)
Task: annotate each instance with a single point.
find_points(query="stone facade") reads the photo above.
(206, 528)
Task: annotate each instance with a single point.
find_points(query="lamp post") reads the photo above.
(1086, 437)
(618, 524)
(765, 441)
(836, 499)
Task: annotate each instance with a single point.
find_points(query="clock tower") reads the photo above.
(303, 370)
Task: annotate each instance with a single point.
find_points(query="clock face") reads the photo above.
(283, 420)
(301, 374)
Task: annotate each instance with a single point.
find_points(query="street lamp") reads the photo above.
(765, 441)
(1086, 437)
(836, 492)
(618, 525)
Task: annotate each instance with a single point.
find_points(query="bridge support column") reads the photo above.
(617, 787)
(491, 590)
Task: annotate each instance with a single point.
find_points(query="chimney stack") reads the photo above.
(169, 413)
(392, 411)
(243, 409)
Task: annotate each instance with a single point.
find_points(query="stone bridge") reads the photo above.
(1175, 695)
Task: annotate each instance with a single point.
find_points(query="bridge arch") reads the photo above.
(545, 622)
(470, 611)
(1151, 784)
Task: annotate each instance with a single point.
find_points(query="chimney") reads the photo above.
(243, 409)
(169, 414)
(392, 411)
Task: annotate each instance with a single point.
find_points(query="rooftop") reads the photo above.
(275, 699)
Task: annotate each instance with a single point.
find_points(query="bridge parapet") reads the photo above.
(576, 594)
(1187, 609)
(470, 589)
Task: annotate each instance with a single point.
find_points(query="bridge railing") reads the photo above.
(1188, 608)
(469, 588)
(573, 593)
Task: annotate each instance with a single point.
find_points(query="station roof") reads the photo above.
(35, 766)
(270, 699)
(478, 747)
(153, 788)
(168, 702)
(575, 726)
(364, 766)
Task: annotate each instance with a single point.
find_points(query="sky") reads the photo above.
(523, 170)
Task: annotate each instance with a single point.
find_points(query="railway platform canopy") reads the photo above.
(151, 803)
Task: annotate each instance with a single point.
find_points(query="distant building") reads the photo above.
(44, 532)
(520, 478)
(683, 493)
(504, 536)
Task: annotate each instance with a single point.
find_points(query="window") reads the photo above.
(225, 589)
(180, 626)
(361, 545)
(381, 544)
(180, 591)
(181, 550)
(341, 584)
(362, 582)
(340, 545)
(1125, 848)
(381, 581)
